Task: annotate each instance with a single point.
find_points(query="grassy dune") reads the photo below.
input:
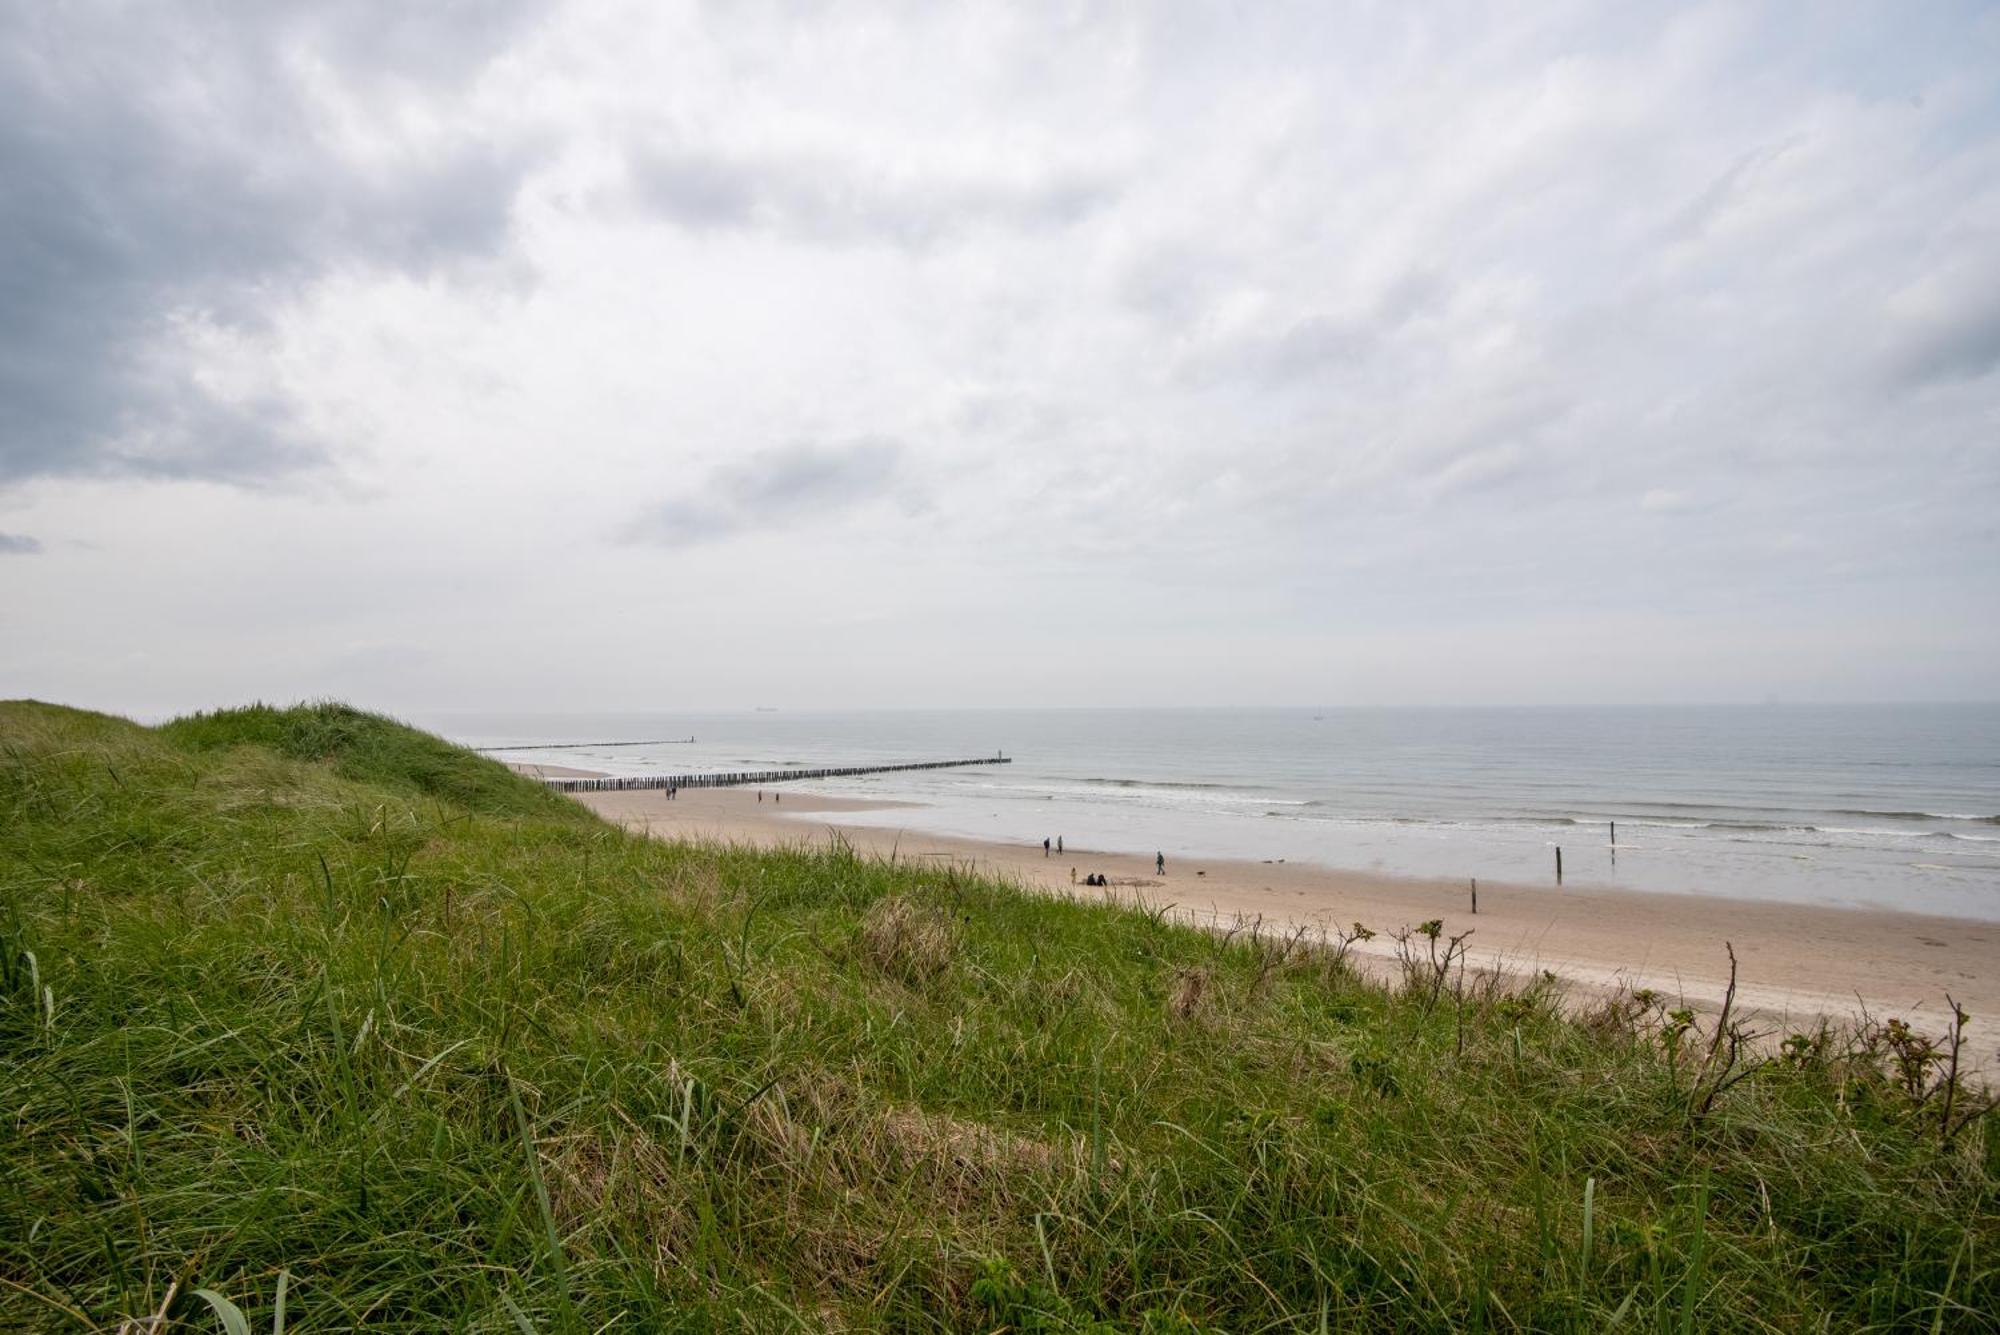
(310, 1016)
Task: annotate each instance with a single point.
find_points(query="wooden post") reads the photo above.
(1559, 864)
(1614, 834)
(1475, 896)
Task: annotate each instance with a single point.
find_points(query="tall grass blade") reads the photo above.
(522, 1321)
(1097, 1118)
(548, 1214)
(1589, 1228)
(1691, 1290)
(1951, 1277)
(1625, 1308)
(231, 1316)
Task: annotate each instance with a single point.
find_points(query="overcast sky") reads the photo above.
(651, 356)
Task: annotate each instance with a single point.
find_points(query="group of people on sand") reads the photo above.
(1098, 878)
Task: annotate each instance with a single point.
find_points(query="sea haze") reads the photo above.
(1895, 806)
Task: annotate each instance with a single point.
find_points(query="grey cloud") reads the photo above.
(15, 544)
(1167, 282)
(1488, 468)
(432, 44)
(1314, 345)
(833, 200)
(1306, 348)
(697, 191)
(1960, 344)
(1726, 190)
(167, 164)
(774, 487)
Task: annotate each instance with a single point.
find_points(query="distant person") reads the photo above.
(1160, 864)
(1072, 876)
(760, 794)
(777, 797)
(1045, 848)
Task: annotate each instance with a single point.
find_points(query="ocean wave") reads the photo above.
(1694, 806)
(1917, 815)
(1870, 813)
(1827, 834)
(1351, 813)
(1161, 783)
(1879, 834)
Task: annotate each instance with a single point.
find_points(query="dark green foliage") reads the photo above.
(272, 1008)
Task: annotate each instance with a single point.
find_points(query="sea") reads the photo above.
(1894, 806)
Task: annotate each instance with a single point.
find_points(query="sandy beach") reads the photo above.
(1798, 962)
(534, 771)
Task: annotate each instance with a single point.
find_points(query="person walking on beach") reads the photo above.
(1045, 848)
(1160, 864)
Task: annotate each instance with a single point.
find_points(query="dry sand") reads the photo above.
(1797, 962)
(552, 771)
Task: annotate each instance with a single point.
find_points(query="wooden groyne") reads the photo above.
(738, 778)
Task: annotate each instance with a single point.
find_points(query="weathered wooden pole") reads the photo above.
(1475, 896)
(1559, 864)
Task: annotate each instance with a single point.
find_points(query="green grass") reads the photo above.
(370, 749)
(303, 999)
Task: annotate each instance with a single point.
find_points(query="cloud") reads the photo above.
(850, 200)
(774, 488)
(1143, 324)
(14, 544)
(1955, 333)
(176, 167)
(1664, 500)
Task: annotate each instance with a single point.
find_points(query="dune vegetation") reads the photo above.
(310, 1021)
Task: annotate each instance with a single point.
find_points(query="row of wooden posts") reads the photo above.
(1559, 865)
(738, 778)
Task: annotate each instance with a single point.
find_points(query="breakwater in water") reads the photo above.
(738, 778)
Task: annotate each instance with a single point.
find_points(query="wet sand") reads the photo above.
(1797, 962)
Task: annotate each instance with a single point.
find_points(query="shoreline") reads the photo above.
(1798, 963)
